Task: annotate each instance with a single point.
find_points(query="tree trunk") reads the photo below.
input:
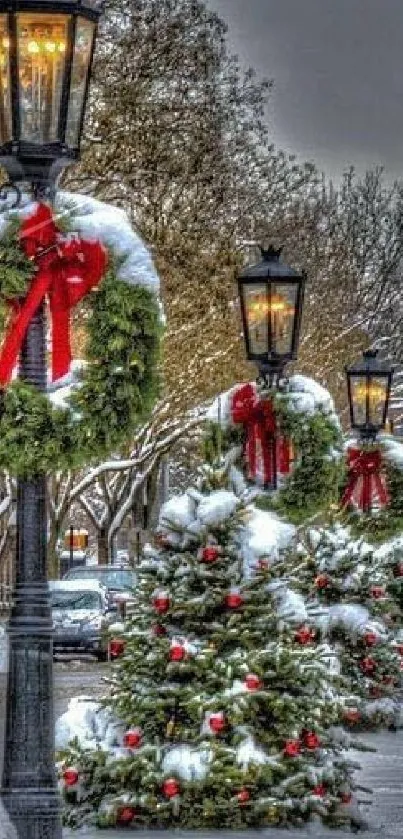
(53, 558)
(103, 546)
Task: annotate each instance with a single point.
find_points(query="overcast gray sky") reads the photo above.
(338, 72)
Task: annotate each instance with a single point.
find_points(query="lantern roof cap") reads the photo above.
(370, 363)
(270, 266)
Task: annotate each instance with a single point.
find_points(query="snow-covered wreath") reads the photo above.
(86, 262)
(299, 419)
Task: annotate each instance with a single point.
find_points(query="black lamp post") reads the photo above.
(271, 295)
(46, 50)
(369, 383)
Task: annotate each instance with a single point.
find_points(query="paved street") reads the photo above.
(382, 771)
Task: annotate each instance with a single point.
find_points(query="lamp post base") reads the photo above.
(33, 813)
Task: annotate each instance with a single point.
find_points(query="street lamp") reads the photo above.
(46, 51)
(369, 384)
(271, 295)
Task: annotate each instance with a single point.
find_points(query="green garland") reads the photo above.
(318, 471)
(117, 387)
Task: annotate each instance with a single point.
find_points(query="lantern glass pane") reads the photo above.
(42, 44)
(5, 104)
(256, 304)
(283, 300)
(85, 32)
(377, 399)
(369, 397)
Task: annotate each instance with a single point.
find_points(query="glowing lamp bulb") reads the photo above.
(33, 47)
(50, 46)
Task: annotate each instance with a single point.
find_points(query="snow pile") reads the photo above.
(186, 763)
(306, 395)
(190, 515)
(393, 451)
(92, 725)
(265, 536)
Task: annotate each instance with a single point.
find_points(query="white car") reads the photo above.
(81, 616)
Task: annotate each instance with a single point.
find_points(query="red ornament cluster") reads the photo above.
(126, 815)
(368, 665)
(210, 554)
(370, 639)
(319, 790)
(311, 740)
(132, 738)
(352, 716)
(170, 788)
(177, 651)
(162, 602)
(70, 777)
(234, 599)
(116, 647)
(304, 635)
(252, 682)
(292, 748)
(243, 796)
(322, 581)
(377, 592)
(217, 722)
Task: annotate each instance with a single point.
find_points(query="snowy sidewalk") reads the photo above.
(382, 772)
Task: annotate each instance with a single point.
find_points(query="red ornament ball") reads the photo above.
(243, 796)
(132, 738)
(217, 722)
(352, 715)
(292, 748)
(368, 664)
(126, 815)
(70, 777)
(262, 565)
(252, 682)
(116, 647)
(398, 570)
(162, 602)
(319, 790)
(322, 581)
(177, 652)
(377, 592)
(304, 635)
(234, 599)
(170, 788)
(399, 648)
(311, 740)
(158, 630)
(370, 639)
(346, 798)
(210, 554)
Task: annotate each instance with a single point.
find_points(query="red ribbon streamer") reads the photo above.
(265, 453)
(67, 269)
(366, 483)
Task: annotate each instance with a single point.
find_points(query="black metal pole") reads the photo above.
(29, 784)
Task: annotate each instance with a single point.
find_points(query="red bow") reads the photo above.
(366, 483)
(67, 269)
(265, 453)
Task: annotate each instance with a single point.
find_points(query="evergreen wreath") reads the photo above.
(115, 389)
(318, 470)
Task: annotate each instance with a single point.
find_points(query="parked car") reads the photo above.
(81, 616)
(119, 582)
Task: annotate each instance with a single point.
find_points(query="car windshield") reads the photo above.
(119, 579)
(61, 599)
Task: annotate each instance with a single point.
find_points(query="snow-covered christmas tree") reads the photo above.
(222, 712)
(348, 586)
